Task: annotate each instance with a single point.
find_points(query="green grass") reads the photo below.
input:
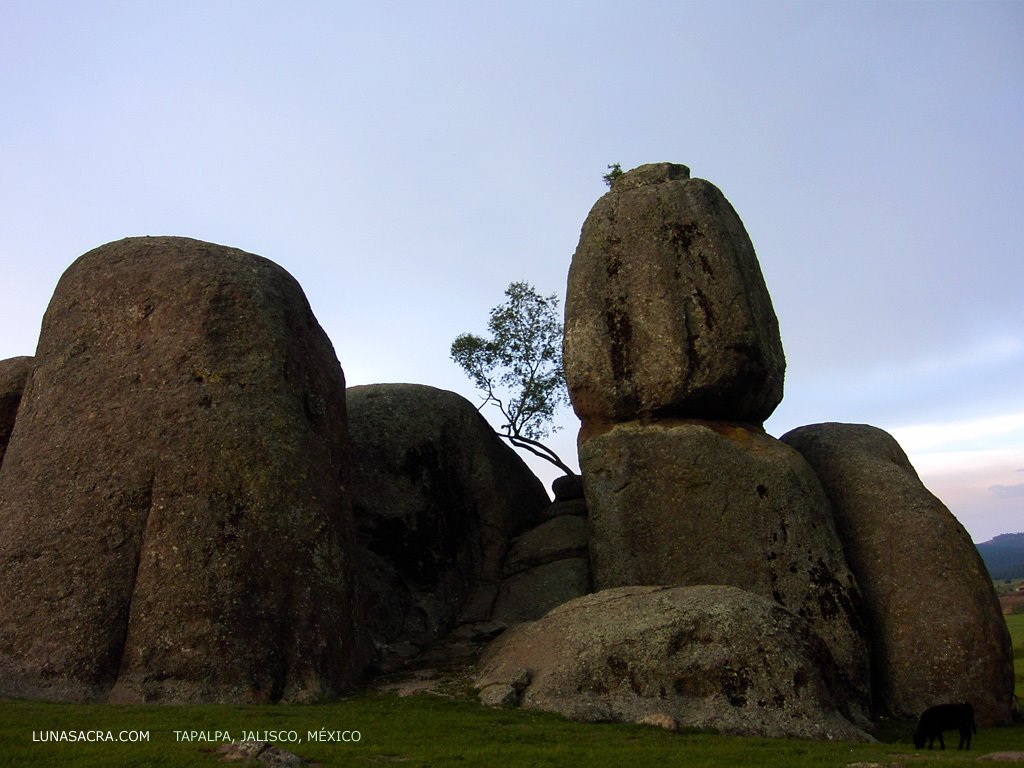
(429, 730)
(1016, 625)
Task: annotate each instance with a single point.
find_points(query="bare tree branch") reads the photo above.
(538, 449)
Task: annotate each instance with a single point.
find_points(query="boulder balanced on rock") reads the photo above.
(666, 311)
(673, 360)
(173, 521)
(937, 633)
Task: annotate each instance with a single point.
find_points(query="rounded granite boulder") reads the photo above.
(703, 656)
(936, 629)
(666, 312)
(689, 503)
(173, 519)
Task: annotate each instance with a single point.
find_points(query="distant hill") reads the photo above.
(1004, 556)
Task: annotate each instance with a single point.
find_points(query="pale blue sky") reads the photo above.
(407, 160)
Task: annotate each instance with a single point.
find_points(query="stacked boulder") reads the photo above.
(673, 360)
(549, 564)
(174, 524)
(667, 314)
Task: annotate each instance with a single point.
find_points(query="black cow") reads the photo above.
(945, 717)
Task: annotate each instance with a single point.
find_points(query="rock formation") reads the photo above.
(437, 497)
(709, 503)
(14, 372)
(173, 521)
(937, 633)
(673, 359)
(549, 564)
(666, 313)
(567, 488)
(188, 513)
(706, 656)
(545, 567)
(569, 498)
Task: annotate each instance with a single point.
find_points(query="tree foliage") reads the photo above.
(614, 171)
(519, 368)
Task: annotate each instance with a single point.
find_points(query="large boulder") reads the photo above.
(707, 503)
(666, 311)
(173, 521)
(14, 373)
(705, 656)
(437, 498)
(937, 633)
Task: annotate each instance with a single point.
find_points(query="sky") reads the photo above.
(406, 161)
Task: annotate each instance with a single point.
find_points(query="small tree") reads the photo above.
(519, 369)
(614, 171)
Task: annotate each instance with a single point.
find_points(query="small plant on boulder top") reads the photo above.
(614, 171)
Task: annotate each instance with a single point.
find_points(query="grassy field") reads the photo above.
(1016, 625)
(430, 730)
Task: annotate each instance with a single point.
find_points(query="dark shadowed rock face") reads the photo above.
(567, 487)
(558, 538)
(937, 634)
(709, 503)
(437, 497)
(666, 312)
(546, 566)
(173, 524)
(706, 656)
(14, 373)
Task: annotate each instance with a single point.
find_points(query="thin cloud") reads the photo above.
(1008, 491)
(992, 431)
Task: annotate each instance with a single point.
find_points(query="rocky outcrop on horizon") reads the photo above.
(936, 629)
(14, 372)
(437, 498)
(173, 519)
(703, 656)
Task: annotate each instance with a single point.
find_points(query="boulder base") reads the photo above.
(708, 503)
(706, 657)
